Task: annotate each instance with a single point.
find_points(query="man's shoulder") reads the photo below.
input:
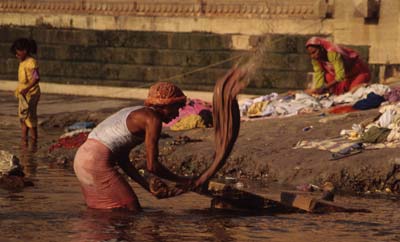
(144, 118)
(145, 112)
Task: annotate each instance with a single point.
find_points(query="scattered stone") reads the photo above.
(328, 191)
(11, 172)
(181, 140)
(308, 188)
(9, 164)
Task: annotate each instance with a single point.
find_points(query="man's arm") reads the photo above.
(132, 172)
(152, 184)
(153, 132)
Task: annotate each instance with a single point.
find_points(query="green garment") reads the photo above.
(319, 73)
(375, 135)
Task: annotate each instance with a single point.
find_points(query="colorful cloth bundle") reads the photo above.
(70, 142)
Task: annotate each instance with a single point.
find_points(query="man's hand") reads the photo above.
(161, 190)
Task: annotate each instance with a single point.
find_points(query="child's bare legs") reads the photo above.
(24, 133)
(33, 139)
(33, 136)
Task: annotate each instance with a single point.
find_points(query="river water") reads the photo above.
(53, 210)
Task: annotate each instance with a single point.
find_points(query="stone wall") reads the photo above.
(133, 43)
(138, 58)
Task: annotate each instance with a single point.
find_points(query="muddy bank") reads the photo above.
(264, 152)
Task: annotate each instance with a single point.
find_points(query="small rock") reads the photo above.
(307, 128)
(307, 188)
(229, 178)
(9, 164)
(239, 185)
(328, 191)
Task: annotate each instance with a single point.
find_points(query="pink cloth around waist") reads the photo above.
(93, 155)
(102, 185)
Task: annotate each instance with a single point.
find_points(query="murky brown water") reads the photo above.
(53, 210)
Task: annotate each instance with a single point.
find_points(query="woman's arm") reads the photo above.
(319, 75)
(318, 82)
(337, 61)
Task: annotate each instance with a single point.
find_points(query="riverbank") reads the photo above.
(263, 152)
(138, 92)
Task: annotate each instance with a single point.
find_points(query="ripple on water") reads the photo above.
(53, 210)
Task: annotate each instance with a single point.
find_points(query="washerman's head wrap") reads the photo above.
(165, 93)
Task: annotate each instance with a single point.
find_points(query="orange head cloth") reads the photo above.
(165, 93)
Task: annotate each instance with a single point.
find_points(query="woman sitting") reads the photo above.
(337, 69)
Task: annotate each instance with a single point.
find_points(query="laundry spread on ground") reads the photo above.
(194, 107)
(384, 132)
(189, 122)
(274, 105)
(197, 113)
(338, 144)
(71, 140)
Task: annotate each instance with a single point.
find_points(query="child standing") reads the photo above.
(28, 90)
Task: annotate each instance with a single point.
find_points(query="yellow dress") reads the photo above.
(27, 107)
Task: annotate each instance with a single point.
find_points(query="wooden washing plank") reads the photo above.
(245, 198)
(228, 196)
(315, 205)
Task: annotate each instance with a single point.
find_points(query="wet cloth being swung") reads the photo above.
(226, 119)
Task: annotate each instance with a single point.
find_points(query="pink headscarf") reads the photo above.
(328, 46)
